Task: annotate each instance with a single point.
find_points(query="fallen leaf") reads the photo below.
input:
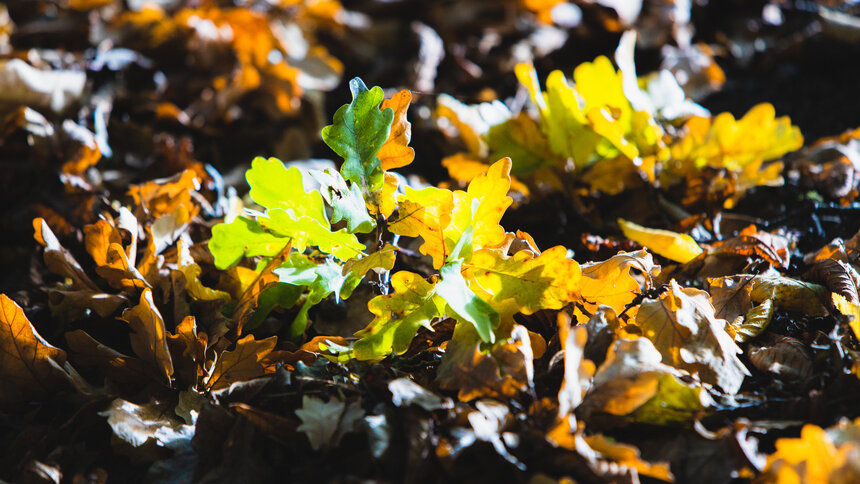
(149, 336)
(671, 245)
(616, 281)
(632, 382)
(325, 423)
(29, 365)
(244, 362)
(683, 327)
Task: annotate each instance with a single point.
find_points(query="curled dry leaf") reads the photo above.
(244, 362)
(577, 370)
(837, 276)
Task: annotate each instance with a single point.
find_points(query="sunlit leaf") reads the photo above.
(671, 245)
(613, 282)
(525, 282)
(149, 336)
(347, 202)
(380, 261)
(396, 153)
(398, 316)
(684, 329)
(632, 382)
(243, 237)
(359, 130)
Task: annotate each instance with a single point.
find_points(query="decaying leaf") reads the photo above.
(786, 358)
(683, 327)
(504, 370)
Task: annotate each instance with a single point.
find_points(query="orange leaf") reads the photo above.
(251, 297)
(396, 152)
(242, 363)
(149, 337)
(29, 365)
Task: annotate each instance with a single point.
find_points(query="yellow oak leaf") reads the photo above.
(671, 245)
(632, 382)
(525, 283)
(441, 217)
(683, 327)
(612, 283)
(425, 213)
(398, 316)
(396, 152)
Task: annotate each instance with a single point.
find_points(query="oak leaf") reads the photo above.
(632, 382)
(241, 363)
(149, 336)
(398, 316)
(683, 327)
(29, 365)
(612, 282)
(358, 131)
(525, 283)
(396, 153)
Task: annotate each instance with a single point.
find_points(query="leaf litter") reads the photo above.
(534, 249)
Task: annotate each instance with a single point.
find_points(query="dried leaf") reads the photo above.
(683, 327)
(244, 362)
(325, 423)
(29, 365)
(613, 283)
(149, 336)
(787, 359)
(632, 382)
(250, 299)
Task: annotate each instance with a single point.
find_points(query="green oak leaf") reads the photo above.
(243, 237)
(358, 131)
(307, 231)
(275, 186)
(465, 304)
(347, 202)
(413, 304)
